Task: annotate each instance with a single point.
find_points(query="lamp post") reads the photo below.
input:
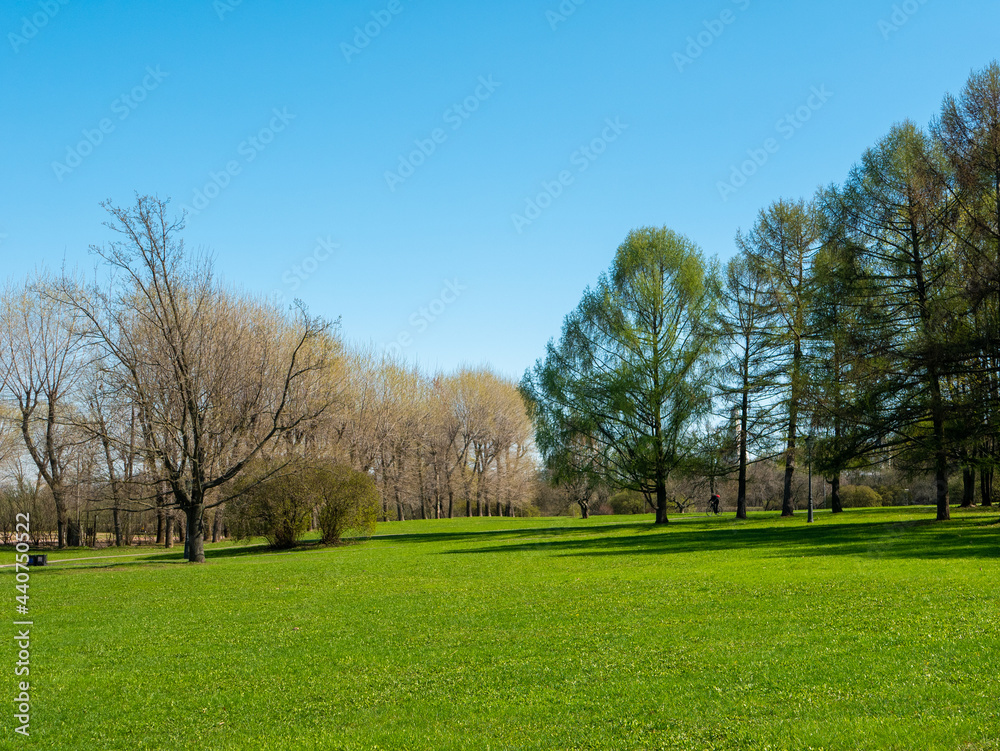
(809, 462)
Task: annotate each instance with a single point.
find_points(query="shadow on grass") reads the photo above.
(914, 539)
(968, 535)
(175, 556)
(493, 534)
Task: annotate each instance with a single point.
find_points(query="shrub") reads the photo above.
(859, 496)
(895, 495)
(347, 500)
(628, 502)
(274, 503)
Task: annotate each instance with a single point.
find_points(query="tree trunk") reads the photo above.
(62, 518)
(835, 504)
(968, 487)
(159, 521)
(73, 536)
(986, 487)
(940, 447)
(168, 529)
(741, 483)
(584, 509)
(941, 481)
(194, 545)
(787, 507)
(217, 524)
(661, 501)
(116, 517)
(182, 534)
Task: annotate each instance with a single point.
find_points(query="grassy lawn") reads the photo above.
(877, 629)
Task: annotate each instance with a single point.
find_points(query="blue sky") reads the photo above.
(453, 182)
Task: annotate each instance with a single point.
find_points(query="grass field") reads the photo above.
(879, 629)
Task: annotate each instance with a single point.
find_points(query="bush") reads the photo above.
(274, 503)
(895, 495)
(859, 496)
(628, 502)
(347, 500)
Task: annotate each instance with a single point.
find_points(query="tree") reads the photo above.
(346, 500)
(41, 369)
(780, 250)
(217, 379)
(631, 373)
(968, 134)
(749, 375)
(896, 214)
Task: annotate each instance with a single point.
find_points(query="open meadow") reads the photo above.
(875, 629)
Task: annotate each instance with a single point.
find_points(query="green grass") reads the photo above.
(878, 629)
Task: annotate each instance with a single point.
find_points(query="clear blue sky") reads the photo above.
(186, 88)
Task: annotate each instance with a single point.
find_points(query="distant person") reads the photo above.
(714, 503)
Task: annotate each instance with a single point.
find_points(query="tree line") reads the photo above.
(156, 393)
(860, 326)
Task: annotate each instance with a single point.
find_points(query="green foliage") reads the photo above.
(346, 500)
(274, 503)
(628, 502)
(896, 495)
(617, 397)
(859, 496)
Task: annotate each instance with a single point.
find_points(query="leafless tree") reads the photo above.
(41, 368)
(217, 378)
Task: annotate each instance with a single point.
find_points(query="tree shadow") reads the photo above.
(911, 539)
(493, 534)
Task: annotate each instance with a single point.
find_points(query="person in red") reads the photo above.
(714, 503)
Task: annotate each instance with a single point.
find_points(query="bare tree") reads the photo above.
(39, 359)
(217, 378)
